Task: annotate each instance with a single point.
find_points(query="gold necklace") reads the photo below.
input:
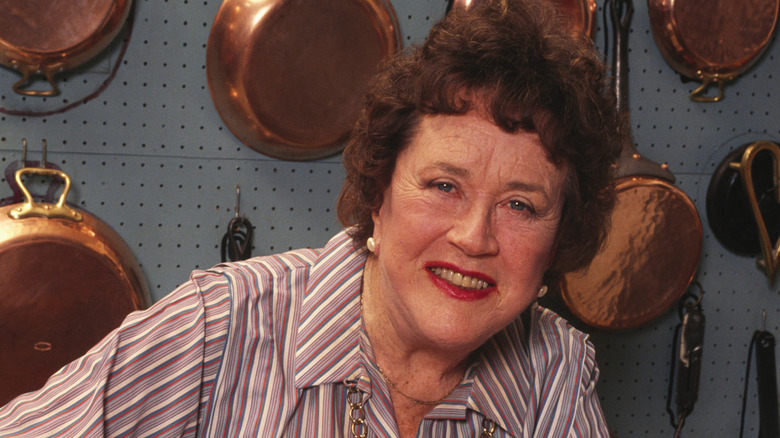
(395, 387)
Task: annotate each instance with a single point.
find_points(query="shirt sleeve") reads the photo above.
(150, 377)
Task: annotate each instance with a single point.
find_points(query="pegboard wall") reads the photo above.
(149, 155)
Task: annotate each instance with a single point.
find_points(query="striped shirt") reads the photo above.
(270, 347)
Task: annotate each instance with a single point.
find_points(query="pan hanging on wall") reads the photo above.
(66, 280)
(653, 246)
(41, 37)
(288, 76)
(712, 41)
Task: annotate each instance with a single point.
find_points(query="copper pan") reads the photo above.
(288, 76)
(712, 41)
(654, 242)
(66, 280)
(46, 37)
(581, 14)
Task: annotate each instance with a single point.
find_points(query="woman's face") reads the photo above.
(466, 231)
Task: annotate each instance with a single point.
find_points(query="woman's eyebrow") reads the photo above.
(449, 168)
(525, 186)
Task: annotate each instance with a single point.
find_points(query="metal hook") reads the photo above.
(24, 152)
(237, 207)
(42, 164)
(43, 158)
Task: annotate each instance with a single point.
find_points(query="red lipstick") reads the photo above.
(456, 291)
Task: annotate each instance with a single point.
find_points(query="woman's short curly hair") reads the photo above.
(517, 63)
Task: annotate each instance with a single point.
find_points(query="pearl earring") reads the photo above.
(543, 291)
(371, 244)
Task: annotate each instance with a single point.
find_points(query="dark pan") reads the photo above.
(728, 204)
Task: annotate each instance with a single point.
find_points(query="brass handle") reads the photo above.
(17, 87)
(47, 210)
(770, 253)
(707, 80)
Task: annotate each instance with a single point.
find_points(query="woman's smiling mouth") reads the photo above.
(458, 279)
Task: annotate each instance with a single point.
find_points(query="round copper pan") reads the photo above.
(650, 256)
(44, 37)
(712, 41)
(66, 281)
(288, 76)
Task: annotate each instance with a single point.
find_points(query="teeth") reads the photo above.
(459, 280)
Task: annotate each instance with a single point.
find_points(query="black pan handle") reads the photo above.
(767, 385)
(621, 12)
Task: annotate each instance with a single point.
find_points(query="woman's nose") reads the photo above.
(473, 231)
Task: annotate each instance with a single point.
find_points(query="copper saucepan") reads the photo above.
(45, 37)
(288, 76)
(66, 280)
(712, 41)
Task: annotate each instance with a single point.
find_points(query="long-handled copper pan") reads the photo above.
(288, 76)
(653, 246)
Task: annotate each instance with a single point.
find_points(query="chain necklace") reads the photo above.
(358, 417)
(395, 387)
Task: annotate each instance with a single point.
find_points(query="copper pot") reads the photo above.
(288, 76)
(712, 41)
(46, 37)
(66, 280)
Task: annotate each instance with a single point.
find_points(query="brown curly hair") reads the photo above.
(516, 62)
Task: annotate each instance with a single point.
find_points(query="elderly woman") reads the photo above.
(478, 173)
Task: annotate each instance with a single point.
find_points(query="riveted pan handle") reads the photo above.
(51, 211)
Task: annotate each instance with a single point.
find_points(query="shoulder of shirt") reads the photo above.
(272, 265)
(548, 322)
(559, 338)
(265, 273)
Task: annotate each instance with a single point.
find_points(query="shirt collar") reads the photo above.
(328, 342)
(499, 384)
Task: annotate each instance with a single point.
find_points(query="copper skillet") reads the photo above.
(45, 37)
(66, 280)
(288, 76)
(712, 41)
(654, 243)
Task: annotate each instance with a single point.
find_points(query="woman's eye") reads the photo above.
(445, 187)
(520, 206)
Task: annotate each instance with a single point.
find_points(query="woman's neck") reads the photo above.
(412, 368)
